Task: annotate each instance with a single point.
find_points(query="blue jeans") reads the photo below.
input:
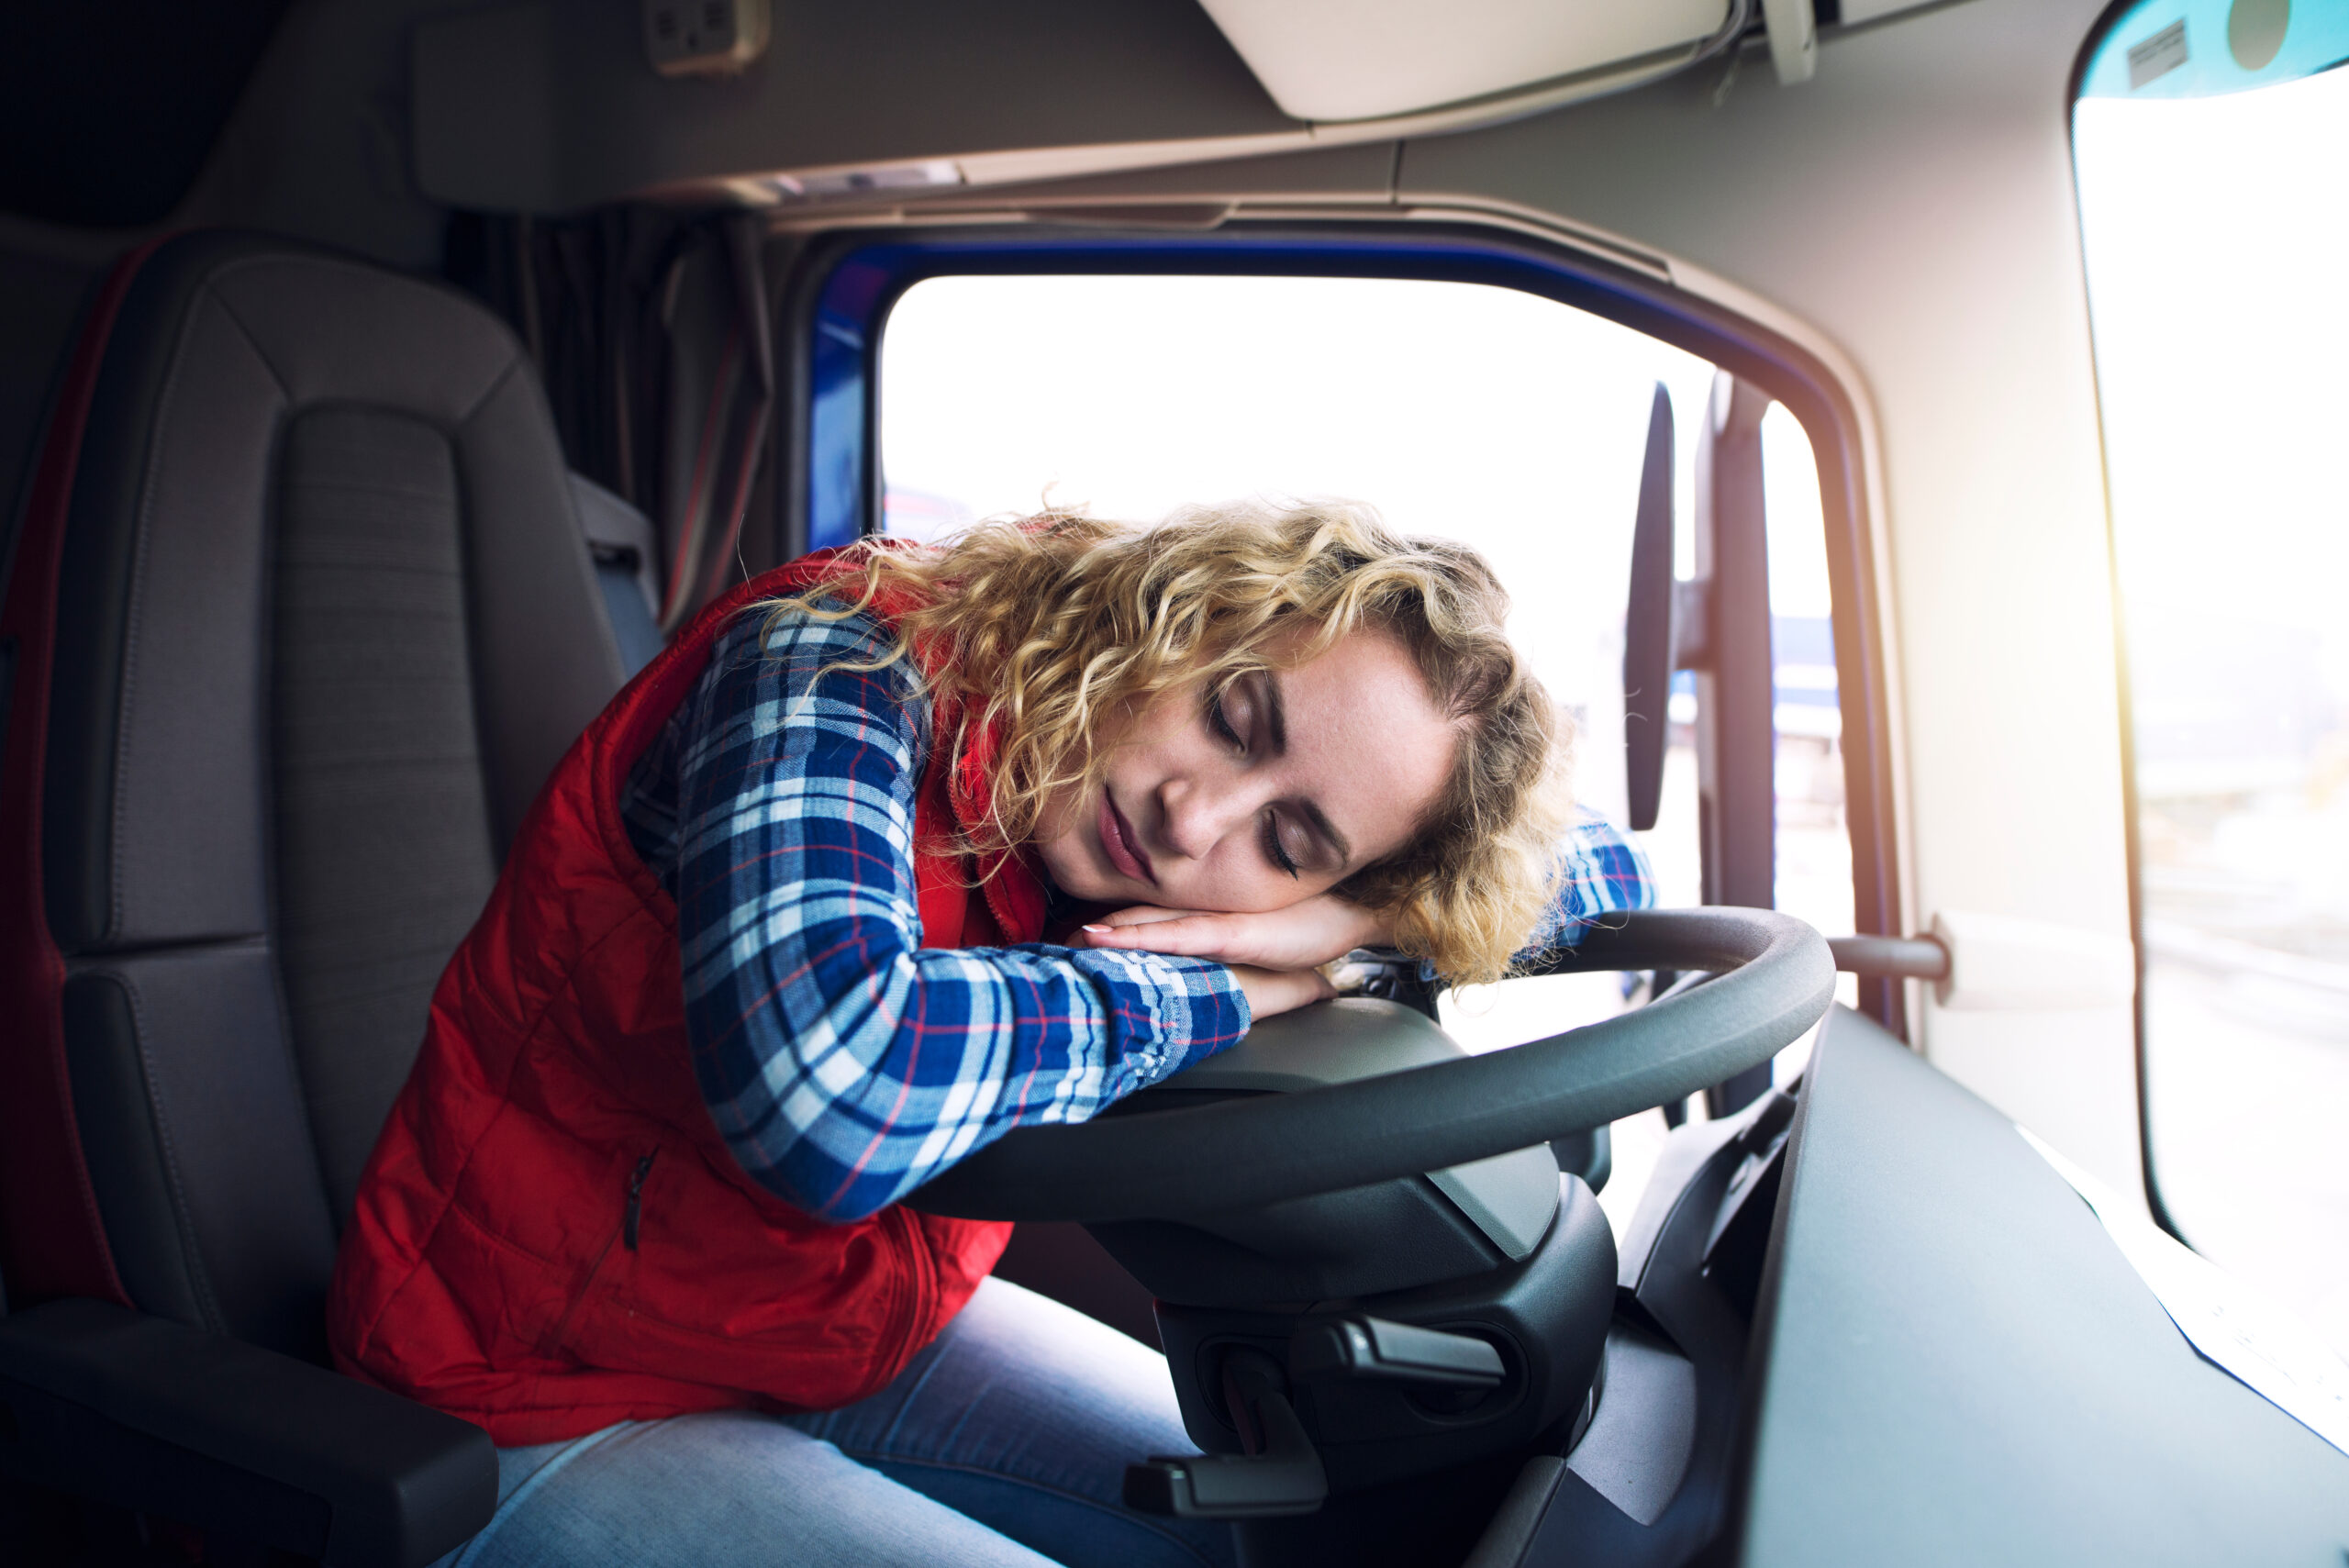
(1004, 1442)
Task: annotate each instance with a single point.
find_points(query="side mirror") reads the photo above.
(1648, 649)
(1719, 626)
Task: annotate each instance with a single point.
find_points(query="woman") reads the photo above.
(909, 824)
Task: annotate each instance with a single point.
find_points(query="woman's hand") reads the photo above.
(1270, 991)
(1298, 938)
(1273, 955)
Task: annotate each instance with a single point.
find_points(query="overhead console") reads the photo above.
(558, 106)
(554, 106)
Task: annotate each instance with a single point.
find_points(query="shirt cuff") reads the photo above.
(1164, 1013)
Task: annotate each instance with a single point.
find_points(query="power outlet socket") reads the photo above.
(704, 37)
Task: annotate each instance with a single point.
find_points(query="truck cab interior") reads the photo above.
(1908, 476)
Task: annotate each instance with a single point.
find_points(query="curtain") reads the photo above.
(652, 332)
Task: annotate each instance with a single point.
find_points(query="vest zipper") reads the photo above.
(636, 1200)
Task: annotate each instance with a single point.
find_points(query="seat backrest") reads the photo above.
(302, 618)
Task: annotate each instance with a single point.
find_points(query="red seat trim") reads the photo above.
(52, 1239)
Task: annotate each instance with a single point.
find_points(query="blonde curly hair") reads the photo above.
(1052, 626)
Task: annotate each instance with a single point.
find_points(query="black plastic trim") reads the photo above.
(151, 1414)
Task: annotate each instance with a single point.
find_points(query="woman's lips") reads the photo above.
(1118, 843)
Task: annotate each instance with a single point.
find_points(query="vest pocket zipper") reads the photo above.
(630, 1217)
(635, 1210)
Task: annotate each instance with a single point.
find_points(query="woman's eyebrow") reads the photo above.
(1275, 719)
(1318, 820)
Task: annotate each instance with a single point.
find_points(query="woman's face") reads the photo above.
(1293, 781)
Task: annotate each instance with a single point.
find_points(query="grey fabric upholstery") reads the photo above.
(384, 853)
(326, 621)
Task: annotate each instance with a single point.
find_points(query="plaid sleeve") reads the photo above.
(1601, 873)
(844, 1064)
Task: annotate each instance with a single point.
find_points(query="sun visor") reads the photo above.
(1353, 59)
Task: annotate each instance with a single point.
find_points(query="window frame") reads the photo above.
(843, 284)
(2131, 845)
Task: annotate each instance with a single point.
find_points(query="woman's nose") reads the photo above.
(1198, 813)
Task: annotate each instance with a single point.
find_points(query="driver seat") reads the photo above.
(300, 617)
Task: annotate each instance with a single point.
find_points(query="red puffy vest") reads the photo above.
(487, 1270)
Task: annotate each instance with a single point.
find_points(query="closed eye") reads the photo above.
(1221, 722)
(1275, 850)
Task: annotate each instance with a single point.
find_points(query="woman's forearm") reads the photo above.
(849, 1082)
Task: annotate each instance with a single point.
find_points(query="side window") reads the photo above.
(1482, 414)
(1510, 421)
(2208, 143)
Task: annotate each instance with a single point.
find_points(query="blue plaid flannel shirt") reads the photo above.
(844, 1064)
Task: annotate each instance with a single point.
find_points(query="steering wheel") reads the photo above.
(1775, 980)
